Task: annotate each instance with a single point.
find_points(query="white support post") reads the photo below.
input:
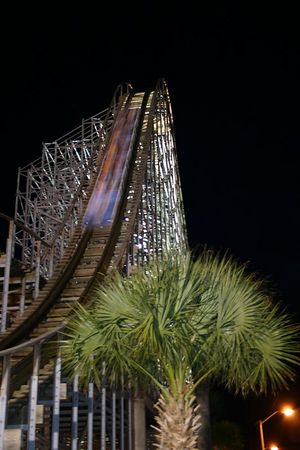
(33, 398)
(56, 405)
(103, 410)
(90, 416)
(37, 269)
(6, 276)
(113, 425)
(4, 398)
(75, 401)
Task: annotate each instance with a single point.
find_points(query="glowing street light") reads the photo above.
(274, 447)
(287, 411)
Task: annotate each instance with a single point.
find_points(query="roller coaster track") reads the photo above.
(93, 251)
(88, 255)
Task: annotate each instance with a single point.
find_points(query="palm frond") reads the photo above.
(251, 342)
(179, 315)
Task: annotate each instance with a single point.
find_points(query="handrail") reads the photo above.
(19, 224)
(60, 284)
(32, 341)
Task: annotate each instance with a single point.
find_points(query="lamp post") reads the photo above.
(287, 411)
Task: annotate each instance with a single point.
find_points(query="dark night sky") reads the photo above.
(233, 76)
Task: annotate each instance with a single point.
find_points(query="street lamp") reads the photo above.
(287, 411)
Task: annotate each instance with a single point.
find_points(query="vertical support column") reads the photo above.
(6, 276)
(103, 409)
(90, 420)
(56, 404)
(37, 269)
(16, 208)
(113, 425)
(51, 261)
(139, 424)
(22, 298)
(122, 440)
(130, 432)
(4, 397)
(75, 401)
(33, 397)
(62, 248)
(90, 416)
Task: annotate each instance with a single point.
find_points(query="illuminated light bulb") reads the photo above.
(287, 411)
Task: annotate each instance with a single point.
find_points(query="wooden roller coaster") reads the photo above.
(39, 409)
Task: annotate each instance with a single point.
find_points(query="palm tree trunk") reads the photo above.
(177, 423)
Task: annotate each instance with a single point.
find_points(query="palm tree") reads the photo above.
(177, 322)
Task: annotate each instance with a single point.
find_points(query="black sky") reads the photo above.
(233, 76)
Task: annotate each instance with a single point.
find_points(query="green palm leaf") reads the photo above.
(179, 320)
